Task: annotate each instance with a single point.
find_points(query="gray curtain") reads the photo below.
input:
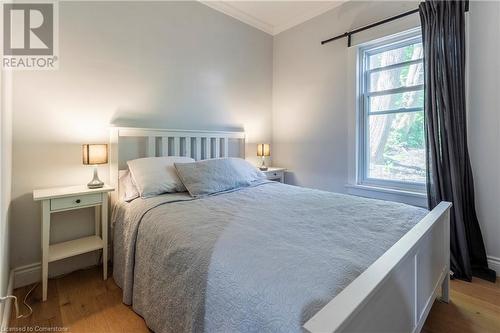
(449, 175)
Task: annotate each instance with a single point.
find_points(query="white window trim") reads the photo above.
(413, 196)
(389, 194)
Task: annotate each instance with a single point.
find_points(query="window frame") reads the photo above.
(363, 78)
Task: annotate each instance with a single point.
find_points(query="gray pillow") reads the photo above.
(217, 175)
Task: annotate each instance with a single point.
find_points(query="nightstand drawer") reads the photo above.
(274, 174)
(75, 202)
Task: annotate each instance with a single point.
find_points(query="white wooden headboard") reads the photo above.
(199, 145)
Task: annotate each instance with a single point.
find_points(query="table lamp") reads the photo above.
(263, 150)
(94, 154)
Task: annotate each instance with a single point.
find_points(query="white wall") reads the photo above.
(5, 181)
(314, 112)
(313, 116)
(484, 120)
(164, 64)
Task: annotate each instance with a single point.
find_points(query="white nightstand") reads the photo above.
(69, 198)
(277, 174)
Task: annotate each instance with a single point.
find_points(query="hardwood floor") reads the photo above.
(474, 307)
(80, 302)
(83, 302)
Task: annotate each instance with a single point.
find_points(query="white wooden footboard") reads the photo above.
(396, 293)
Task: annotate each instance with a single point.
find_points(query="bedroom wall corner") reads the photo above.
(165, 65)
(313, 121)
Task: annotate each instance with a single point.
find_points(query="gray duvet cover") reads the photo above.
(260, 259)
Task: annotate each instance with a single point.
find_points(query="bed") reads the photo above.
(272, 257)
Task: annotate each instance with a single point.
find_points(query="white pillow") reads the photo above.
(157, 175)
(128, 190)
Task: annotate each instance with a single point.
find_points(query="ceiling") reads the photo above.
(273, 17)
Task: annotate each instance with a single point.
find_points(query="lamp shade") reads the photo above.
(263, 149)
(95, 154)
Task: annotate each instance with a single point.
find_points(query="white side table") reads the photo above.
(276, 174)
(69, 198)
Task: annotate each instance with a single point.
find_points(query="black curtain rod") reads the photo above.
(355, 31)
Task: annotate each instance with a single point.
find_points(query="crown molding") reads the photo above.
(239, 15)
(242, 16)
(306, 16)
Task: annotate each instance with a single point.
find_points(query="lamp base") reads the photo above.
(263, 166)
(95, 182)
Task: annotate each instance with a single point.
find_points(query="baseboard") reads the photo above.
(5, 307)
(494, 264)
(27, 274)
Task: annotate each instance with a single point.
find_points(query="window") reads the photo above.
(391, 126)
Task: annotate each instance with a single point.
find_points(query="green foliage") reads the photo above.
(407, 137)
(415, 137)
(400, 136)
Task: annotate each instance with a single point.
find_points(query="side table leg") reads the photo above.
(45, 246)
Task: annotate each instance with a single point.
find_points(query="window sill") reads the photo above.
(389, 194)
